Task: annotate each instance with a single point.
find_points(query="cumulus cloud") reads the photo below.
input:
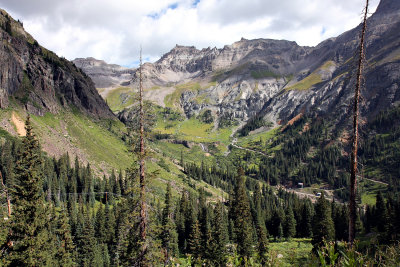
(115, 30)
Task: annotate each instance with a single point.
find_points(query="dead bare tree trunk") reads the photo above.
(142, 180)
(5, 192)
(353, 178)
(10, 243)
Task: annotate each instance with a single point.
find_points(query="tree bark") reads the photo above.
(353, 178)
(142, 180)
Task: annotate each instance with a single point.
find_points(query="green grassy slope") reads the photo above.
(100, 143)
(312, 79)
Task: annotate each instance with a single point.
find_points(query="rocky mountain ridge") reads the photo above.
(279, 79)
(40, 80)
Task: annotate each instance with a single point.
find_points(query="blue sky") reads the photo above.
(114, 30)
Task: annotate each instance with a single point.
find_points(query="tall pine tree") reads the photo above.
(66, 249)
(29, 232)
(290, 223)
(241, 215)
(169, 237)
(194, 242)
(323, 227)
(219, 236)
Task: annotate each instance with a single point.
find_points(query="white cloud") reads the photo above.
(114, 30)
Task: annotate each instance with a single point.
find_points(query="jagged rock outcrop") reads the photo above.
(40, 80)
(280, 79)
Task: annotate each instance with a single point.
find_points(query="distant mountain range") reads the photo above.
(276, 79)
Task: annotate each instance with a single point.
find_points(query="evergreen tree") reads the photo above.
(359, 225)
(121, 183)
(381, 213)
(323, 228)
(219, 236)
(180, 221)
(258, 211)
(110, 224)
(4, 217)
(368, 218)
(4, 229)
(290, 223)
(305, 226)
(204, 221)
(7, 164)
(87, 244)
(169, 237)
(117, 186)
(190, 219)
(242, 218)
(89, 185)
(98, 256)
(100, 225)
(260, 226)
(382, 218)
(108, 192)
(106, 256)
(29, 232)
(66, 249)
(194, 242)
(262, 245)
(340, 218)
(280, 231)
(72, 214)
(277, 220)
(126, 246)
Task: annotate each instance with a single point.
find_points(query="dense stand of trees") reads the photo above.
(63, 215)
(305, 152)
(296, 141)
(381, 152)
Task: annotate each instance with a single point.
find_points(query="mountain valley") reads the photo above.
(258, 131)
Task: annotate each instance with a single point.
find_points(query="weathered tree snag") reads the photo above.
(353, 178)
(142, 180)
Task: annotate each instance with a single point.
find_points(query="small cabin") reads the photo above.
(300, 185)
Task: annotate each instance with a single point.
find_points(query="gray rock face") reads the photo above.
(103, 74)
(280, 79)
(187, 59)
(240, 98)
(278, 56)
(39, 79)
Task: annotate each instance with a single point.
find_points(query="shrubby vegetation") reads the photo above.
(206, 117)
(253, 124)
(227, 120)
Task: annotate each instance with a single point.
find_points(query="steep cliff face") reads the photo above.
(38, 79)
(280, 79)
